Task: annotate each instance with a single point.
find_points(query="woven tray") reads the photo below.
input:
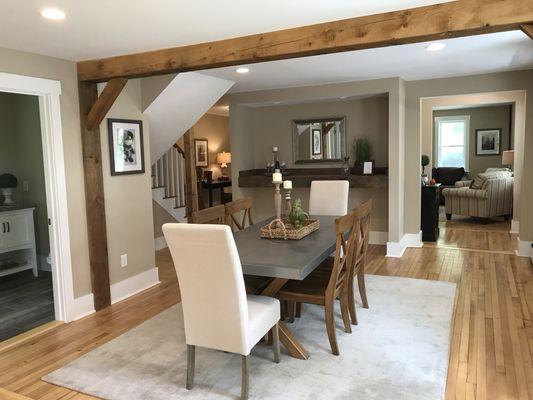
(290, 232)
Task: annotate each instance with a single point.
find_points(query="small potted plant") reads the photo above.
(362, 150)
(8, 182)
(425, 162)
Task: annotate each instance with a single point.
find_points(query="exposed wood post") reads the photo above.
(190, 174)
(104, 102)
(528, 30)
(92, 112)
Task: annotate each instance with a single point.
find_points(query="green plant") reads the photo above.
(8, 181)
(297, 215)
(425, 162)
(362, 149)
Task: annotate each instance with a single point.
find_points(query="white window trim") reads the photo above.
(462, 118)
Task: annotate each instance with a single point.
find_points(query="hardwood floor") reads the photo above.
(492, 334)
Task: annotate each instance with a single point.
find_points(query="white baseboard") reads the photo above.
(378, 237)
(128, 287)
(396, 249)
(524, 248)
(515, 226)
(82, 307)
(160, 243)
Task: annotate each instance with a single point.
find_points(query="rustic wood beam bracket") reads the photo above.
(104, 102)
(434, 22)
(528, 30)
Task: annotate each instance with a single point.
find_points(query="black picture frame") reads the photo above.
(201, 158)
(480, 151)
(113, 125)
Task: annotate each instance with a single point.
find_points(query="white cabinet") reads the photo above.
(17, 241)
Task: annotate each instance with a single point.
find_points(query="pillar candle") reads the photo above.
(276, 177)
(287, 185)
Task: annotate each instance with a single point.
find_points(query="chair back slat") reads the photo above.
(211, 215)
(234, 207)
(211, 284)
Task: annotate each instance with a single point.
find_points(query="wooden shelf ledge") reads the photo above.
(302, 177)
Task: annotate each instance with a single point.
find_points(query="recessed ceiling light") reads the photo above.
(242, 70)
(435, 46)
(53, 13)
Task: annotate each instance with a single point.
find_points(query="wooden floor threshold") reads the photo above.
(23, 337)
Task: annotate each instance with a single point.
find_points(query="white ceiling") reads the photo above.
(102, 28)
(462, 56)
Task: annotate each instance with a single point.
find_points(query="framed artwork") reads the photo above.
(488, 142)
(126, 146)
(201, 152)
(316, 135)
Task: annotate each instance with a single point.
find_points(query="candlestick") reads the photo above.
(277, 222)
(288, 204)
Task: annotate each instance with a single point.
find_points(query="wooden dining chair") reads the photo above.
(217, 313)
(235, 207)
(322, 286)
(329, 198)
(362, 234)
(211, 215)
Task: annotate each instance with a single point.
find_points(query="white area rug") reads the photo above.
(399, 350)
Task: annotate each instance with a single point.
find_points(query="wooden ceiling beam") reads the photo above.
(104, 102)
(434, 22)
(528, 30)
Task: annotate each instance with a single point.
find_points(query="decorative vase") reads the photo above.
(7, 193)
(297, 215)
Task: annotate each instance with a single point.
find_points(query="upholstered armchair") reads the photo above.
(489, 195)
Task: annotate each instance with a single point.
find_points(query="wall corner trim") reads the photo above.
(396, 249)
(523, 248)
(131, 286)
(81, 307)
(160, 243)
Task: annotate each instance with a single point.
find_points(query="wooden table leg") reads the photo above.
(286, 337)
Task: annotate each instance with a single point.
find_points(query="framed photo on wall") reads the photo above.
(316, 135)
(126, 146)
(488, 142)
(201, 151)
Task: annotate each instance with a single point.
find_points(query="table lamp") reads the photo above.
(224, 159)
(508, 158)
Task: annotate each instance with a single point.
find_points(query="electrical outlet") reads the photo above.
(123, 260)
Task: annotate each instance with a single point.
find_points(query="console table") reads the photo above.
(429, 221)
(210, 185)
(17, 241)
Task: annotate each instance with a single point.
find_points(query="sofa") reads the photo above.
(490, 194)
(447, 176)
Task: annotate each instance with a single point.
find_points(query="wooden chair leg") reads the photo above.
(298, 310)
(275, 342)
(330, 327)
(245, 377)
(190, 366)
(345, 312)
(351, 304)
(291, 310)
(362, 289)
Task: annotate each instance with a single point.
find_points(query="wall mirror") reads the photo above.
(319, 140)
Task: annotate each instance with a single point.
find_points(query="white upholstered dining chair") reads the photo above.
(329, 198)
(217, 312)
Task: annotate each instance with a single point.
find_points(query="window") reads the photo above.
(451, 141)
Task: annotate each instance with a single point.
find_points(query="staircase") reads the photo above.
(168, 183)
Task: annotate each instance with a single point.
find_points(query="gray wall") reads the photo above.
(482, 118)
(255, 128)
(21, 154)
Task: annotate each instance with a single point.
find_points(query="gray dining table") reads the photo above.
(283, 260)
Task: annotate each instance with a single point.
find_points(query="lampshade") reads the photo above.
(224, 159)
(508, 157)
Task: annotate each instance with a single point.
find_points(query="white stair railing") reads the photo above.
(169, 172)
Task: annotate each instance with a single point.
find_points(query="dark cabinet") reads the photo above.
(429, 222)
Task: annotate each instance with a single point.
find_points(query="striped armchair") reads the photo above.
(489, 195)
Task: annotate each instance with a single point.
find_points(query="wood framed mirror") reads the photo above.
(319, 140)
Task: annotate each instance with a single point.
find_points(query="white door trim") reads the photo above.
(48, 92)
